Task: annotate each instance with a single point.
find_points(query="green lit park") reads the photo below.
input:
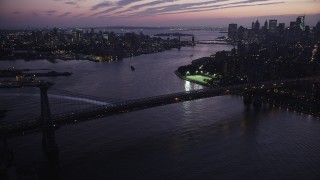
(199, 78)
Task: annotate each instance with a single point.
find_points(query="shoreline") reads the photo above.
(85, 57)
(280, 105)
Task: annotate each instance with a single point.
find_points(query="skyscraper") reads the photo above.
(232, 31)
(265, 24)
(256, 25)
(300, 23)
(293, 25)
(272, 25)
(281, 28)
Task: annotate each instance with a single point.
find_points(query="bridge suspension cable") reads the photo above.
(79, 95)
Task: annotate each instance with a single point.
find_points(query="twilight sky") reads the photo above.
(86, 13)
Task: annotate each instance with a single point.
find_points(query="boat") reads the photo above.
(132, 68)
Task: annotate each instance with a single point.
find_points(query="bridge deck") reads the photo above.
(57, 120)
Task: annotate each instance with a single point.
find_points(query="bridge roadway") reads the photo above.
(24, 126)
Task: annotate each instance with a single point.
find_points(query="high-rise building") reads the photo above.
(281, 28)
(232, 31)
(273, 25)
(282, 25)
(300, 23)
(293, 25)
(265, 24)
(256, 25)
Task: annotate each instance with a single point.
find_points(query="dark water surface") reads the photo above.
(214, 138)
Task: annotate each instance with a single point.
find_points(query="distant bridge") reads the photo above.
(222, 42)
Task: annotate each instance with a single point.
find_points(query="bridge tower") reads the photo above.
(49, 145)
(252, 98)
(247, 99)
(48, 138)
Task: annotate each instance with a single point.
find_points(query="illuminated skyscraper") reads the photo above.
(300, 23)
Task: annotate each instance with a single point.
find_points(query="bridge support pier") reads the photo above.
(257, 103)
(48, 138)
(6, 161)
(49, 145)
(247, 99)
(254, 99)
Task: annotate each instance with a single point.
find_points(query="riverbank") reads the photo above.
(295, 107)
(21, 73)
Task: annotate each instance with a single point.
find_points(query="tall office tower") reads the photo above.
(265, 24)
(316, 31)
(281, 28)
(300, 23)
(232, 31)
(256, 25)
(272, 26)
(282, 25)
(293, 25)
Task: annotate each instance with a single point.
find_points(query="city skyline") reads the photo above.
(83, 13)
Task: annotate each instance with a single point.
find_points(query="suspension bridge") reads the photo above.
(101, 107)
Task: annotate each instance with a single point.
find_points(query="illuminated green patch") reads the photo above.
(199, 78)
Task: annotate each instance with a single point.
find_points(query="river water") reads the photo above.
(213, 138)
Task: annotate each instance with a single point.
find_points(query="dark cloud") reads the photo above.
(173, 8)
(50, 12)
(65, 14)
(200, 6)
(79, 15)
(16, 12)
(126, 2)
(101, 5)
(116, 6)
(152, 3)
(178, 7)
(35, 14)
(106, 11)
(71, 3)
